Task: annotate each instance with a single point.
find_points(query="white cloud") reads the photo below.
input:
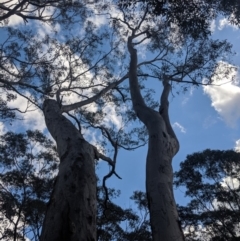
(98, 20)
(94, 137)
(224, 22)
(112, 119)
(2, 128)
(237, 146)
(14, 20)
(31, 119)
(201, 232)
(180, 127)
(34, 120)
(213, 26)
(225, 97)
(209, 121)
(225, 100)
(190, 94)
(43, 29)
(6, 224)
(230, 183)
(99, 17)
(185, 100)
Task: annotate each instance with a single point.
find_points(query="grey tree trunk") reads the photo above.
(71, 212)
(162, 147)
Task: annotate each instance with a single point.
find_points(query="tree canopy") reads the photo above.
(75, 73)
(28, 164)
(212, 183)
(191, 16)
(45, 11)
(88, 67)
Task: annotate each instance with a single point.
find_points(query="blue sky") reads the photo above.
(202, 118)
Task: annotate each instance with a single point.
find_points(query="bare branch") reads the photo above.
(24, 96)
(11, 11)
(27, 8)
(77, 121)
(143, 18)
(66, 108)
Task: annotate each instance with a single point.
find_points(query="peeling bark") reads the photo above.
(162, 147)
(71, 211)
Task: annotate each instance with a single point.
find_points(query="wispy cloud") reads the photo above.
(209, 121)
(188, 96)
(32, 119)
(224, 22)
(237, 146)
(2, 128)
(213, 26)
(176, 125)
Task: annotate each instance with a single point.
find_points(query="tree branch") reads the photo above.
(66, 108)
(141, 109)
(164, 105)
(11, 11)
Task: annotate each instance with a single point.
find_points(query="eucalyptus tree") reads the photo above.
(212, 183)
(193, 17)
(117, 223)
(22, 11)
(79, 73)
(62, 72)
(172, 58)
(28, 167)
(28, 164)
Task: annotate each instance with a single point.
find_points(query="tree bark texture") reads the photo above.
(162, 147)
(71, 211)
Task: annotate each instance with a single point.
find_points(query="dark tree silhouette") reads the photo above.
(212, 182)
(28, 165)
(192, 17)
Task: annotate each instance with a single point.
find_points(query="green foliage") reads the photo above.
(6, 113)
(193, 18)
(212, 181)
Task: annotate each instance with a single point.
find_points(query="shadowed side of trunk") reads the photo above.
(159, 184)
(71, 211)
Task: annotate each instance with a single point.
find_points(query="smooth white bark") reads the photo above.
(162, 147)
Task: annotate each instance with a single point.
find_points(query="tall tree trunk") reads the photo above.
(162, 147)
(71, 212)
